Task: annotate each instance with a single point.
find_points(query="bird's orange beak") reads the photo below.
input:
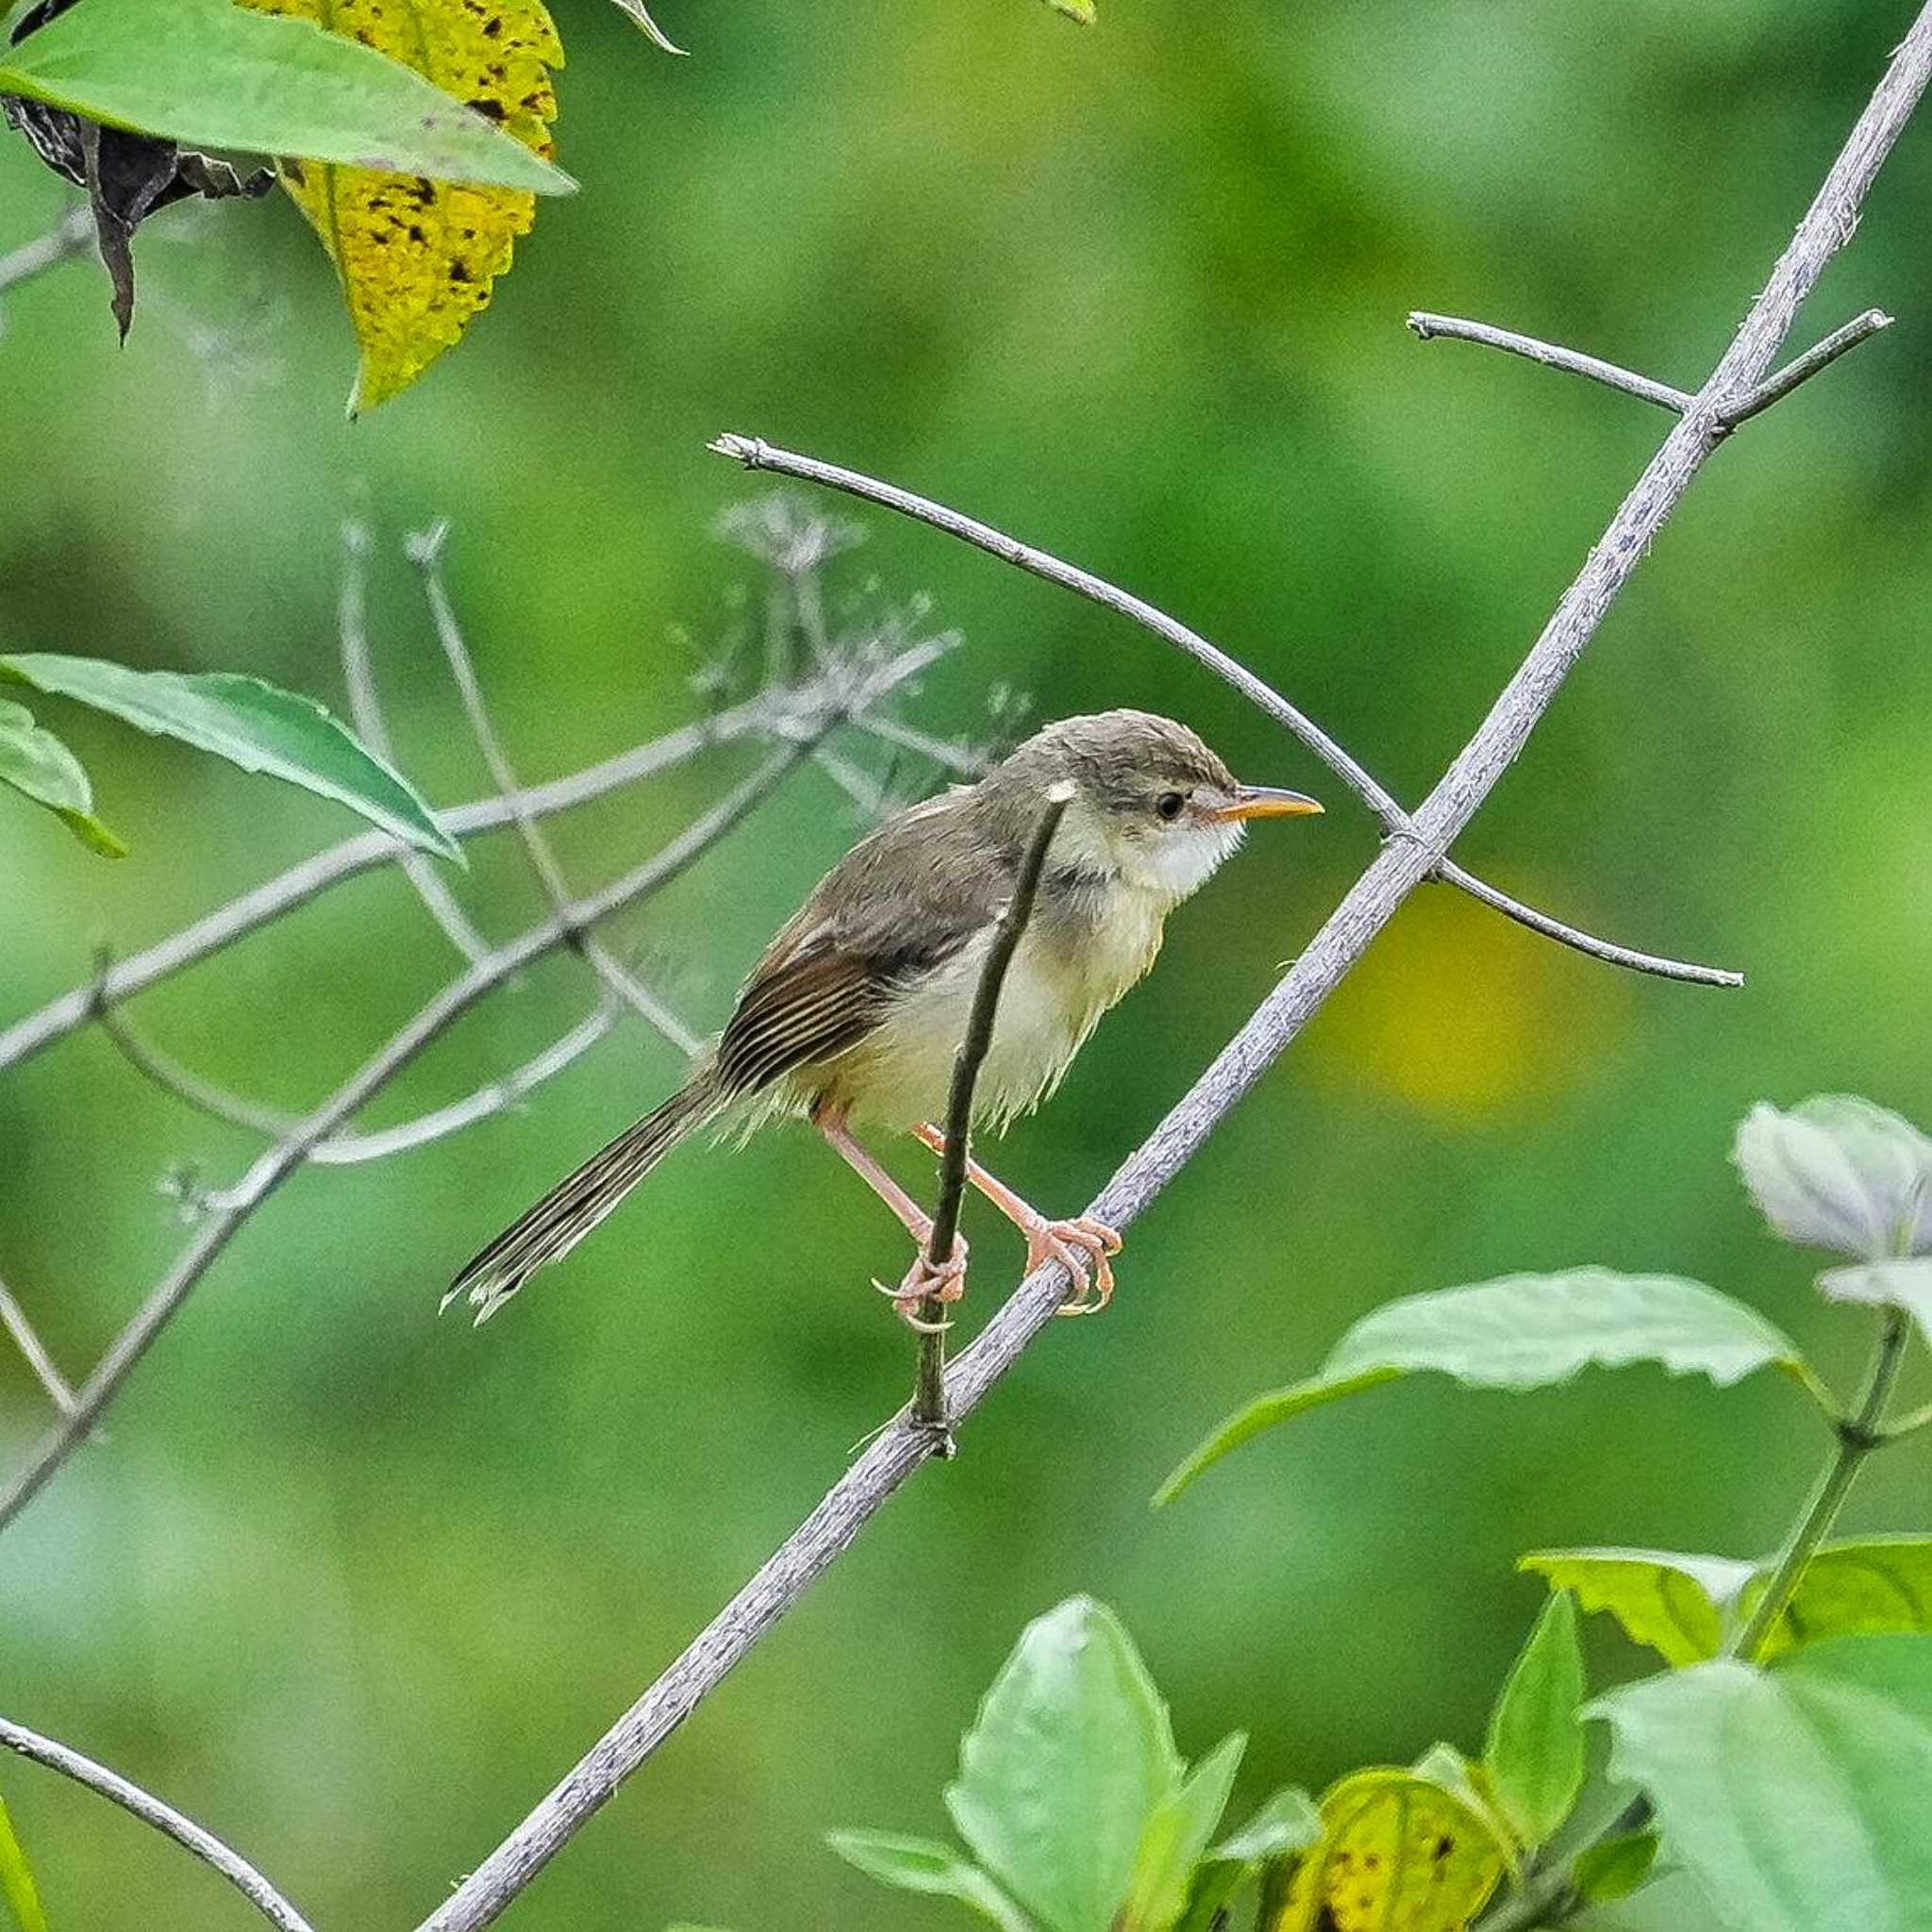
(1266, 802)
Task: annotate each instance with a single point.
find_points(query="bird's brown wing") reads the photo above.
(898, 906)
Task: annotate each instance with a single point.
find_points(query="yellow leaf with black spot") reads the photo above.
(1397, 1854)
(418, 258)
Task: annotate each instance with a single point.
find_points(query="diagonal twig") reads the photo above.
(783, 716)
(755, 454)
(1774, 389)
(1455, 328)
(72, 236)
(27, 1339)
(165, 1818)
(424, 550)
(1398, 869)
(352, 1150)
(365, 709)
(273, 1166)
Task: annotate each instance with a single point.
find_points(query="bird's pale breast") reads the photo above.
(1073, 963)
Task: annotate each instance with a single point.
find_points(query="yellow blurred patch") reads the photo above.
(417, 257)
(1396, 1854)
(1462, 1013)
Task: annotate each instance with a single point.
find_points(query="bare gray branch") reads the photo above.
(1455, 328)
(425, 551)
(757, 454)
(365, 711)
(165, 1818)
(1401, 865)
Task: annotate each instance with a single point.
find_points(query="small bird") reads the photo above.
(856, 1010)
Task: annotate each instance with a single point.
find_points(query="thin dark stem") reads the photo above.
(1401, 866)
(1803, 368)
(757, 454)
(237, 1204)
(1455, 328)
(785, 716)
(929, 1395)
(1861, 1433)
(165, 1818)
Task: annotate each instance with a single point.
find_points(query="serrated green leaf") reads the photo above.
(1069, 1756)
(1674, 1603)
(1836, 1172)
(1614, 1866)
(915, 1864)
(36, 764)
(1795, 1794)
(1174, 1838)
(206, 74)
(1682, 1606)
(1526, 1331)
(253, 724)
(17, 1879)
(1534, 1753)
(1906, 1284)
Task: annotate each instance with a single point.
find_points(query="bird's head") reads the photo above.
(1152, 803)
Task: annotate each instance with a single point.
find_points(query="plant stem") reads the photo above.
(1857, 1435)
(929, 1391)
(1549, 1897)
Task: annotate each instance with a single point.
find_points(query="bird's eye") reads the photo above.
(1169, 804)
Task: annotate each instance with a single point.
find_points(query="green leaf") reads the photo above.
(1836, 1172)
(1851, 1589)
(1614, 1866)
(1795, 1795)
(1526, 1331)
(1682, 1606)
(1534, 1754)
(914, 1864)
(206, 74)
(250, 723)
(1085, 11)
(1674, 1603)
(17, 1880)
(35, 764)
(1174, 1838)
(1071, 1753)
(1906, 1284)
(1287, 1823)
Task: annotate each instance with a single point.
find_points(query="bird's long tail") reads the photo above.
(569, 1211)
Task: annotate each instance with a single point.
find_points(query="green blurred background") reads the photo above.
(354, 1587)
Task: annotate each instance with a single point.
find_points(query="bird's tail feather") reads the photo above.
(569, 1211)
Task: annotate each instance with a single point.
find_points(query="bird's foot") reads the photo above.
(945, 1283)
(1085, 1248)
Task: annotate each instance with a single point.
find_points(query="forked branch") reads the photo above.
(1401, 866)
(755, 454)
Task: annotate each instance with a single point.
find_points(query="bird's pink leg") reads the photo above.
(1080, 1245)
(946, 1282)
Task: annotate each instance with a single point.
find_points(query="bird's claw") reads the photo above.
(1085, 1248)
(944, 1282)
